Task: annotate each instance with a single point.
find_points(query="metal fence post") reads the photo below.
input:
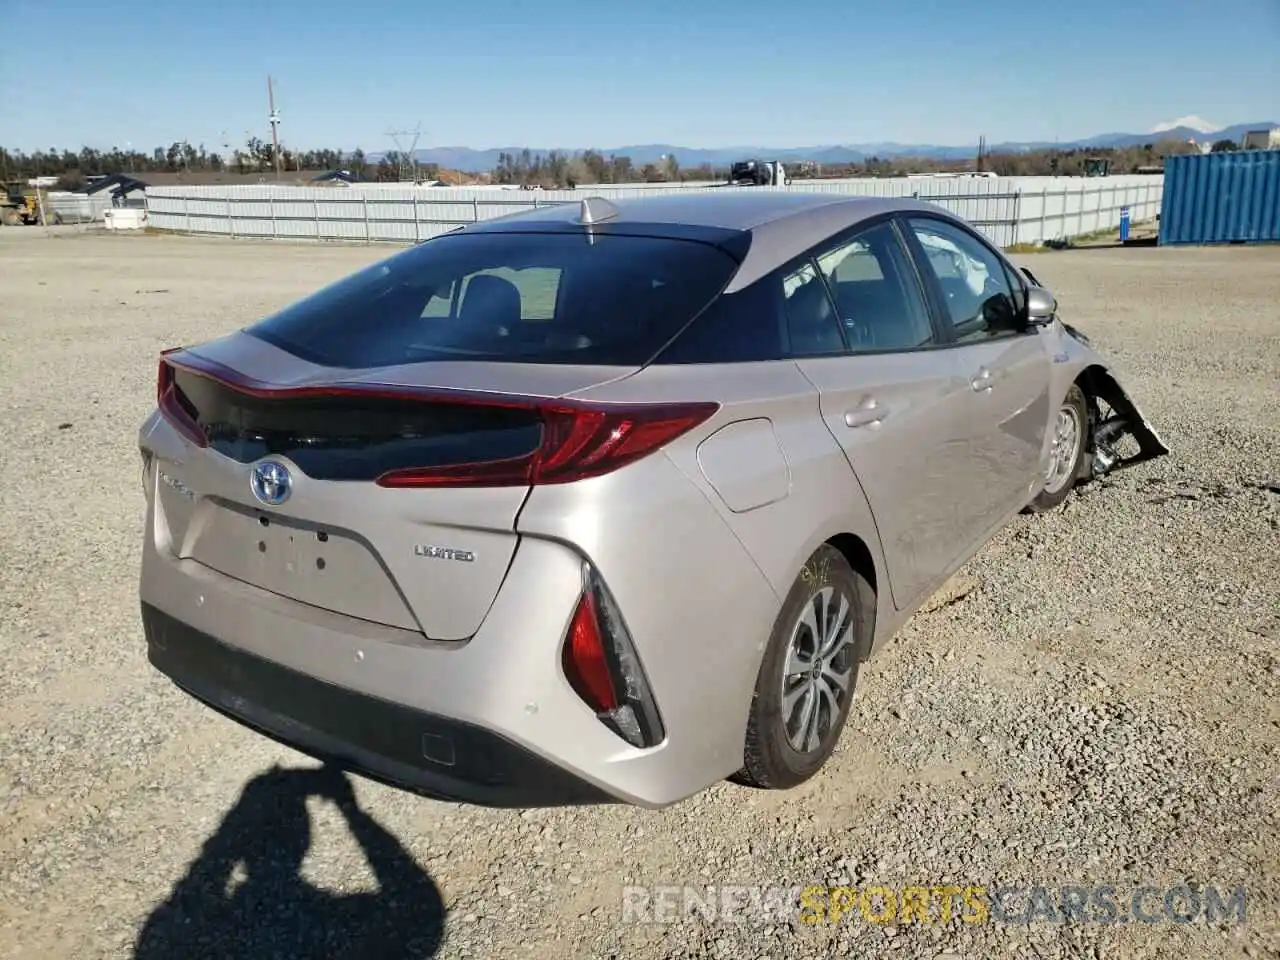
(186, 212)
(417, 224)
(475, 210)
(315, 206)
(231, 220)
(364, 201)
(1017, 214)
(271, 212)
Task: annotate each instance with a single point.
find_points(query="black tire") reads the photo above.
(1074, 405)
(770, 760)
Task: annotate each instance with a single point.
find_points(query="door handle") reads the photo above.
(866, 414)
(982, 380)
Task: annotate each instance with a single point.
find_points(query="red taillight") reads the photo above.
(601, 664)
(584, 659)
(578, 442)
(171, 407)
(579, 439)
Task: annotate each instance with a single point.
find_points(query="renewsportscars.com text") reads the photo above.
(942, 903)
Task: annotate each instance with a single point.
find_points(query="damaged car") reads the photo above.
(606, 501)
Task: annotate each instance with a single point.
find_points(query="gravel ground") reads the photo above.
(1095, 701)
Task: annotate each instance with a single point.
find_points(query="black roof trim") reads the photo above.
(718, 236)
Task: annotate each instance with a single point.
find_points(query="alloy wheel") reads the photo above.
(818, 672)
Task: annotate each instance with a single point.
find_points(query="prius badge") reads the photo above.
(271, 483)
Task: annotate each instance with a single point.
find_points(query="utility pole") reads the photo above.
(274, 120)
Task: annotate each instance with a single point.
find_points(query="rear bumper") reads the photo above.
(407, 748)
(503, 691)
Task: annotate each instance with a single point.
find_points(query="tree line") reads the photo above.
(255, 157)
(555, 169)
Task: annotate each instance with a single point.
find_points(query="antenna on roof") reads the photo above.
(596, 210)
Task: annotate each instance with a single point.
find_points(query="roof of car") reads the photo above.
(782, 224)
(725, 208)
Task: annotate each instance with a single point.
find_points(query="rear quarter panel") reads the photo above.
(823, 497)
(699, 577)
(697, 608)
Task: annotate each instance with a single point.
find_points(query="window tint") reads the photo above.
(534, 298)
(974, 285)
(811, 319)
(738, 327)
(876, 291)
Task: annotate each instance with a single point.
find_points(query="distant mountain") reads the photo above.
(1192, 121)
(470, 160)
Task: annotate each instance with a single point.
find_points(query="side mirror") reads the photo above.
(1042, 307)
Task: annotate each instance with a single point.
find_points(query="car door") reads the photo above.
(1005, 364)
(862, 333)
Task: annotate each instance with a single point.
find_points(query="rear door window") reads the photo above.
(877, 293)
(525, 297)
(812, 326)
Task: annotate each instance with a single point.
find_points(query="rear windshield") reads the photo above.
(523, 297)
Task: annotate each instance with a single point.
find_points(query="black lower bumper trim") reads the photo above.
(397, 745)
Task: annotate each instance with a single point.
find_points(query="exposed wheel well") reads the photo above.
(1086, 381)
(1097, 384)
(856, 552)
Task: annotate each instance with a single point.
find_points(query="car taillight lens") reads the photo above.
(578, 441)
(170, 404)
(584, 658)
(601, 665)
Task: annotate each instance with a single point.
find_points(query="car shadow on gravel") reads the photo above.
(244, 896)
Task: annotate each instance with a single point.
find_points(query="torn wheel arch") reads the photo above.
(1099, 383)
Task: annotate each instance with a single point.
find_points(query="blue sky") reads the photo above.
(592, 73)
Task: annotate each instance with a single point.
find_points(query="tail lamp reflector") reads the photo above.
(601, 665)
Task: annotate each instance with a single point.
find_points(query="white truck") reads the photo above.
(758, 173)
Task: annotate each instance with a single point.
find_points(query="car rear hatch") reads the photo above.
(401, 500)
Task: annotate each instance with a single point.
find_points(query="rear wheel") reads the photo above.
(1067, 449)
(810, 669)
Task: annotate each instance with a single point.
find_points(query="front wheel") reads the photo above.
(810, 669)
(1067, 446)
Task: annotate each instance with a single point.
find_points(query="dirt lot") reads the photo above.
(1101, 707)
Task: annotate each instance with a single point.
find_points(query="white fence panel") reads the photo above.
(1009, 210)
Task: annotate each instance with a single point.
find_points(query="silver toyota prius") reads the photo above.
(607, 501)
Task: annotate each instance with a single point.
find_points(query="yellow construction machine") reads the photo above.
(16, 207)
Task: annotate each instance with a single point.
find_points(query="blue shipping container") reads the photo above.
(1221, 198)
